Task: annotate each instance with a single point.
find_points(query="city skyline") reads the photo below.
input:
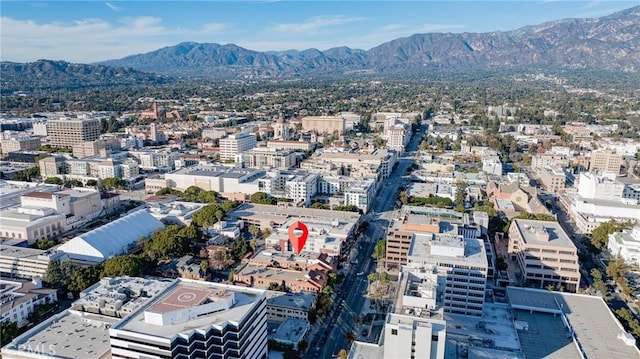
(95, 31)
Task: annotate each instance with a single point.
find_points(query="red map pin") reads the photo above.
(298, 241)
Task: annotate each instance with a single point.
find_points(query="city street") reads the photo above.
(331, 336)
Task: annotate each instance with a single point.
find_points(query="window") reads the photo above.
(394, 331)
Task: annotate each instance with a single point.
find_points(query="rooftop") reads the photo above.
(69, 334)
(546, 233)
(292, 330)
(301, 300)
(183, 293)
(596, 331)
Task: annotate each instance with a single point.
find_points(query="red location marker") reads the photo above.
(298, 241)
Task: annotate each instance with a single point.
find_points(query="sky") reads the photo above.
(92, 31)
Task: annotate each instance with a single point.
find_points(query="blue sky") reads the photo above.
(91, 31)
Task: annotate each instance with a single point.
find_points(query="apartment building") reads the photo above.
(605, 160)
(99, 147)
(360, 194)
(544, 253)
(236, 144)
(324, 124)
(552, 179)
(269, 157)
(67, 132)
(549, 159)
(19, 298)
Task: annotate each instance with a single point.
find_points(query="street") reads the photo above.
(330, 337)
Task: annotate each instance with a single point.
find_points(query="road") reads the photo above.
(331, 336)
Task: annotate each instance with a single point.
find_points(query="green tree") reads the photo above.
(112, 183)
(460, 196)
(254, 231)
(9, 331)
(597, 282)
(380, 250)
(53, 180)
(600, 235)
(92, 183)
(124, 265)
(262, 198)
(239, 248)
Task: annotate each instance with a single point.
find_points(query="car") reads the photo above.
(359, 273)
(365, 332)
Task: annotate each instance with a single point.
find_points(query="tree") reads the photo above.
(461, 196)
(125, 265)
(254, 231)
(343, 354)
(92, 183)
(380, 250)
(239, 248)
(112, 183)
(598, 283)
(600, 235)
(53, 180)
(262, 198)
(9, 331)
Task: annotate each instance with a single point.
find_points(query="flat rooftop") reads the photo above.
(301, 300)
(277, 213)
(69, 334)
(596, 329)
(421, 250)
(532, 231)
(362, 350)
(184, 293)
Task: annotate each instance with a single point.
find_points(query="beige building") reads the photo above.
(269, 157)
(552, 179)
(19, 144)
(544, 253)
(291, 145)
(68, 132)
(52, 166)
(95, 148)
(324, 124)
(606, 160)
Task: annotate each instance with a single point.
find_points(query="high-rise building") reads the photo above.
(67, 132)
(236, 144)
(194, 319)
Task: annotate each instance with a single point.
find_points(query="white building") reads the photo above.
(19, 299)
(112, 239)
(159, 160)
(268, 157)
(324, 236)
(492, 165)
(236, 144)
(592, 186)
(195, 319)
(458, 267)
(222, 179)
(398, 136)
(26, 263)
(626, 244)
(411, 337)
(360, 194)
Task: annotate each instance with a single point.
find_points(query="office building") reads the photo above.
(195, 319)
(324, 124)
(26, 263)
(398, 136)
(67, 132)
(301, 146)
(361, 194)
(626, 245)
(552, 179)
(236, 144)
(605, 160)
(451, 273)
(544, 253)
(281, 305)
(411, 337)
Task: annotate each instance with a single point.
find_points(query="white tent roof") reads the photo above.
(111, 239)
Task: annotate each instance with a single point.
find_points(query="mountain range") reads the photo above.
(607, 43)
(610, 42)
